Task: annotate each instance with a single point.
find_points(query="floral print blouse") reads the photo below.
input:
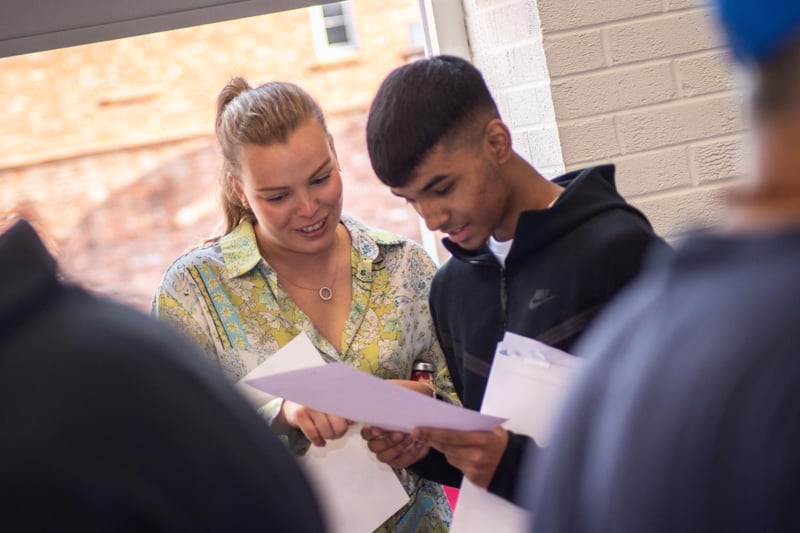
(227, 298)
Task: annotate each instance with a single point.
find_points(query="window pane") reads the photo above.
(332, 10)
(337, 35)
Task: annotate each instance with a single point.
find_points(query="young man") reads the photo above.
(688, 418)
(111, 421)
(535, 257)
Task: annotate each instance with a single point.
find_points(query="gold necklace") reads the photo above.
(326, 291)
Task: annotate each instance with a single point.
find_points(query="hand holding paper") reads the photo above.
(396, 449)
(317, 426)
(475, 453)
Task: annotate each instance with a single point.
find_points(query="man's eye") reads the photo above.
(444, 190)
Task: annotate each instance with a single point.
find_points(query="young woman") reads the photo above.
(289, 262)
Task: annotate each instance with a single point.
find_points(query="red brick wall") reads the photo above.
(108, 146)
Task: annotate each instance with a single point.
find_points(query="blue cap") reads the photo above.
(756, 29)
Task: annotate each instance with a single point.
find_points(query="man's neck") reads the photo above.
(529, 190)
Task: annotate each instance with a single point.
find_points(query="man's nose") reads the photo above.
(435, 217)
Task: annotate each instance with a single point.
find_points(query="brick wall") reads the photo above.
(506, 44)
(641, 83)
(162, 86)
(107, 147)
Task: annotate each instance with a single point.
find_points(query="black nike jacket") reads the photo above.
(565, 264)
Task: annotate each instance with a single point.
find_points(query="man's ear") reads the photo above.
(498, 139)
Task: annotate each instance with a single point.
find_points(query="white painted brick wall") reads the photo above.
(641, 83)
(575, 52)
(560, 15)
(506, 44)
(660, 36)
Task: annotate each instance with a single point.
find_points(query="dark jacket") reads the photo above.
(565, 264)
(688, 416)
(111, 421)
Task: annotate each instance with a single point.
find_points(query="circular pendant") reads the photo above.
(325, 294)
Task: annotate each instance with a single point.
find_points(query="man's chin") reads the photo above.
(470, 243)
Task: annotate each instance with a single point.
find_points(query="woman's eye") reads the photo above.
(276, 198)
(321, 179)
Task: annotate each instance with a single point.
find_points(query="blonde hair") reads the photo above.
(261, 116)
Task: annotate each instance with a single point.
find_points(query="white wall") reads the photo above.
(641, 83)
(506, 43)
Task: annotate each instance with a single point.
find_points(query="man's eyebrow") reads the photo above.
(313, 174)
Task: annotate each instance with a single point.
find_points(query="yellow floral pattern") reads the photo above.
(227, 298)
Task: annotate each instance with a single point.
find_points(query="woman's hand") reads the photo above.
(315, 425)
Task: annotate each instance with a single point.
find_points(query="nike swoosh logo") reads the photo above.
(540, 297)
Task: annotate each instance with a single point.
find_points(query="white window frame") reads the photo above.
(326, 51)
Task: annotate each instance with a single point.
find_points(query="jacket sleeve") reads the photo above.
(435, 467)
(504, 482)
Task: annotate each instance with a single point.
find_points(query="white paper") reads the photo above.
(297, 353)
(344, 391)
(356, 492)
(527, 385)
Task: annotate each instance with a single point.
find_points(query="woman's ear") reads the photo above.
(236, 187)
(498, 140)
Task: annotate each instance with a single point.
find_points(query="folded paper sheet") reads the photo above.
(298, 353)
(527, 385)
(344, 391)
(356, 492)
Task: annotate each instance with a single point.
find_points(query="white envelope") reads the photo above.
(527, 384)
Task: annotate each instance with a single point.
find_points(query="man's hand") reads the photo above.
(475, 453)
(315, 425)
(396, 449)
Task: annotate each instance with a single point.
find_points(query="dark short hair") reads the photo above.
(419, 105)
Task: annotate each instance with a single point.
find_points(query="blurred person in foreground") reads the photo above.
(536, 257)
(111, 421)
(290, 262)
(688, 418)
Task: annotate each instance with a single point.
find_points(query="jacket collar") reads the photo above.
(587, 192)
